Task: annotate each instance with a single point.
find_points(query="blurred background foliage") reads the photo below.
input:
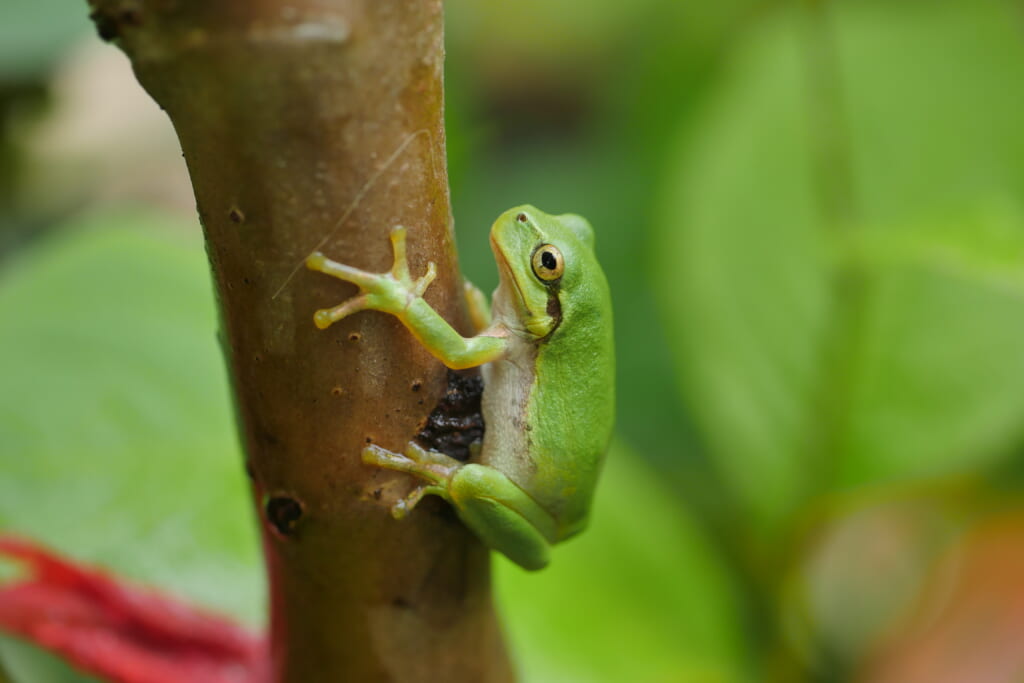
(811, 216)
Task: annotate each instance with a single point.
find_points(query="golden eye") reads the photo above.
(548, 264)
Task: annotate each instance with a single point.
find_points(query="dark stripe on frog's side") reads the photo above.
(554, 311)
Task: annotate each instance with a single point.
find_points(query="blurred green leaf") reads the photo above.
(29, 664)
(34, 33)
(117, 445)
(673, 57)
(939, 367)
(641, 596)
(742, 275)
(983, 245)
(931, 95)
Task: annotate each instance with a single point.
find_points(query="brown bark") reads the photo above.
(317, 124)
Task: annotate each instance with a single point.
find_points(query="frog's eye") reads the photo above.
(548, 264)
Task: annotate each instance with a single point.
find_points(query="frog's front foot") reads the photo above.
(436, 469)
(391, 292)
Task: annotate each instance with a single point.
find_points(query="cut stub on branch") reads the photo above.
(122, 633)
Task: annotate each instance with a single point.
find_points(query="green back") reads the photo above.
(572, 403)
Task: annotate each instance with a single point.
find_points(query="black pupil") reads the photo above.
(547, 259)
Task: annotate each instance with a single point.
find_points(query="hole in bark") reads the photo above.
(236, 215)
(456, 421)
(284, 514)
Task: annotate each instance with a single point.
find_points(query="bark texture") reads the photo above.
(317, 124)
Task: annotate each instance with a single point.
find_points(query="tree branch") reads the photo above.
(317, 124)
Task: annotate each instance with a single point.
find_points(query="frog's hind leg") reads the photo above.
(492, 505)
(503, 515)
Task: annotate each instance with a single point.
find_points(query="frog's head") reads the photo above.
(545, 264)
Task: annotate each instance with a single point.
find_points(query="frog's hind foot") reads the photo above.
(436, 469)
(405, 505)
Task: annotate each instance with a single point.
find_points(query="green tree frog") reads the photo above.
(548, 369)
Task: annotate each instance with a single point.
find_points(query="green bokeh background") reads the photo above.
(811, 217)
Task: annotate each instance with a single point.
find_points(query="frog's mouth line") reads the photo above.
(505, 267)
